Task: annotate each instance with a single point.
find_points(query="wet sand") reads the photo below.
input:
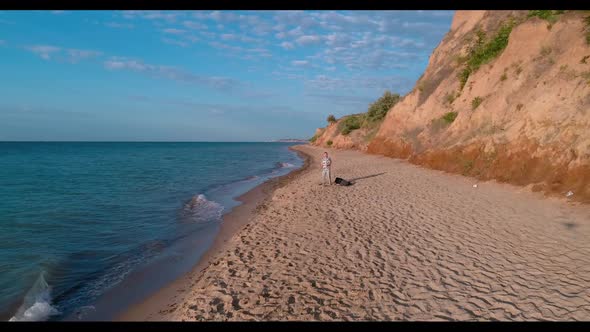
(402, 243)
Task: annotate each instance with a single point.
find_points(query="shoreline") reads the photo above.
(153, 306)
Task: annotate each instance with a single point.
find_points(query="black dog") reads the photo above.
(342, 182)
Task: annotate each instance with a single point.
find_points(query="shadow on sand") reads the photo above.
(353, 181)
(570, 225)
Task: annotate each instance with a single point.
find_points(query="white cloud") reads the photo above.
(175, 42)
(437, 13)
(300, 63)
(77, 55)
(228, 36)
(242, 52)
(337, 39)
(393, 83)
(171, 73)
(194, 25)
(72, 55)
(207, 34)
(121, 63)
(287, 45)
(174, 31)
(354, 42)
(116, 25)
(228, 47)
(191, 38)
(222, 16)
(167, 16)
(44, 51)
(295, 32)
(308, 40)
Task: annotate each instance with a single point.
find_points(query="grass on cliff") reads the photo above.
(450, 97)
(550, 16)
(476, 102)
(449, 117)
(438, 124)
(484, 50)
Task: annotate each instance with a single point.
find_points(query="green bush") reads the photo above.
(351, 123)
(331, 118)
(450, 97)
(464, 76)
(421, 86)
(484, 51)
(370, 120)
(381, 106)
(549, 15)
(449, 117)
(476, 102)
(329, 143)
(503, 77)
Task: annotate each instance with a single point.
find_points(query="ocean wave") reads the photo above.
(37, 303)
(200, 209)
(284, 165)
(83, 311)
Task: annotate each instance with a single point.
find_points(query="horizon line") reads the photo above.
(73, 141)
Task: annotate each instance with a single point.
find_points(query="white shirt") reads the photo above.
(326, 162)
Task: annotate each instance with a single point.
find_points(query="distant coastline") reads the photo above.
(291, 140)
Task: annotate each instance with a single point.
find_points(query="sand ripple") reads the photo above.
(403, 243)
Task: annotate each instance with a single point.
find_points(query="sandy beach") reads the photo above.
(402, 243)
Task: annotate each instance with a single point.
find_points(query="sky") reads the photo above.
(202, 75)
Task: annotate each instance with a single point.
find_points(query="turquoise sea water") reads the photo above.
(79, 220)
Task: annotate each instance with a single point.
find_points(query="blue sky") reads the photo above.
(202, 75)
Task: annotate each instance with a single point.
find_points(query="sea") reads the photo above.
(89, 228)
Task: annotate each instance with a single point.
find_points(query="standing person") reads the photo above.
(326, 164)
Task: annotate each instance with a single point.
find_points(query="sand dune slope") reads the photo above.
(403, 243)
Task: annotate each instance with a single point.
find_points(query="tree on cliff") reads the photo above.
(331, 118)
(381, 106)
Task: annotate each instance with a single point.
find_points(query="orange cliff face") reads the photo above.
(522, 117)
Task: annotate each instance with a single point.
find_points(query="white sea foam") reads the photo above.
(83, 311)
(200, 209)
(37, 303)
(286, 165)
